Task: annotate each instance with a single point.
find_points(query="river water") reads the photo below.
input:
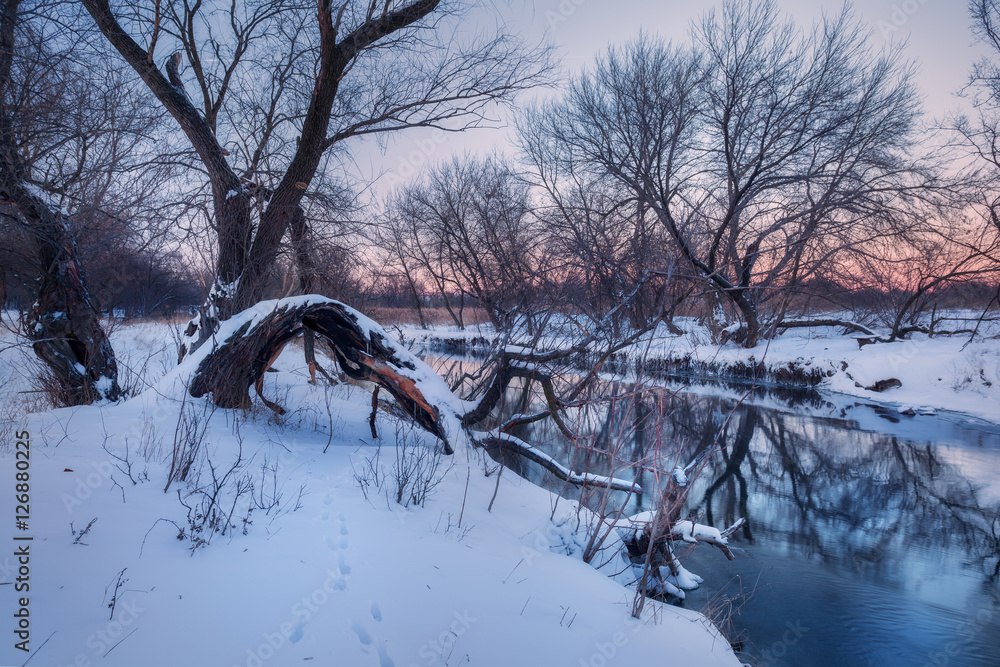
(872, 538)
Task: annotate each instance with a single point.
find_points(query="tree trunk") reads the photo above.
(63, 324)
(240, 361)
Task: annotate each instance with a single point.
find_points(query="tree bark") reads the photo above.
(63, 323)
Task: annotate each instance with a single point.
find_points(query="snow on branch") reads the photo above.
(522, 448)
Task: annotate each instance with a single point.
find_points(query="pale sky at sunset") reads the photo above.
(937, 34)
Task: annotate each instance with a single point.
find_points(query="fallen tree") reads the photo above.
(254, 339)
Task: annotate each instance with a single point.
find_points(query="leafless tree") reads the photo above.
(600, 241)
(277, 84)
(751, 145)
(907, 276)
(468, 225)
(980, 132)
(78, 163)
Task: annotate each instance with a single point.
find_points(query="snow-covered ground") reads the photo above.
(938, 373)
(318, 561)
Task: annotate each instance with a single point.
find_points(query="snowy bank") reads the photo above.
(317, 562)
(939, 373)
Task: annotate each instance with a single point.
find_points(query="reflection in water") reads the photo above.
(884, 544)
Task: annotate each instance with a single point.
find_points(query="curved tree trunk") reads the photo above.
(363, 352)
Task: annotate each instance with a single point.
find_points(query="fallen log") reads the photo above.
(523, 449)
(362, 349)
(851, 327)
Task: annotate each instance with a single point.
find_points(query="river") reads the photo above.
(872, 538)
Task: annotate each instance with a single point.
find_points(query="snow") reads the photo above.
(692, 532)
(332, 573)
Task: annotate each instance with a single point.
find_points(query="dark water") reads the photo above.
(872, 538)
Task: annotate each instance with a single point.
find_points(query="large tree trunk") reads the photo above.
(63, 324)
(245, 257)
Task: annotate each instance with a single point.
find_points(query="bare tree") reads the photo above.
(907, 276)
(76, 163)
(328, 73)
(980, 133)
(599, 240)
(470, 228)
(751, 145)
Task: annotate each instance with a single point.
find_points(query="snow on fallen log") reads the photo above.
(685, 530)
(249, 342)
(849, 325)
(522, 448)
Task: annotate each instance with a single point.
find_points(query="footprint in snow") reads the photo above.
(360, 631)
(343, 525)
(367, 639)
(297, 633)
(344, 567)
(376, 612)
(383, 657)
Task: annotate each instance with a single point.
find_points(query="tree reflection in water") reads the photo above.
(902, 512)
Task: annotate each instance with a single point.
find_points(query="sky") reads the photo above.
(936, 34)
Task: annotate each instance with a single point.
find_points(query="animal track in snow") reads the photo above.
(338, 545)
(376, 612)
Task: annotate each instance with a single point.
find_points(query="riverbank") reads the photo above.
(933, 373)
